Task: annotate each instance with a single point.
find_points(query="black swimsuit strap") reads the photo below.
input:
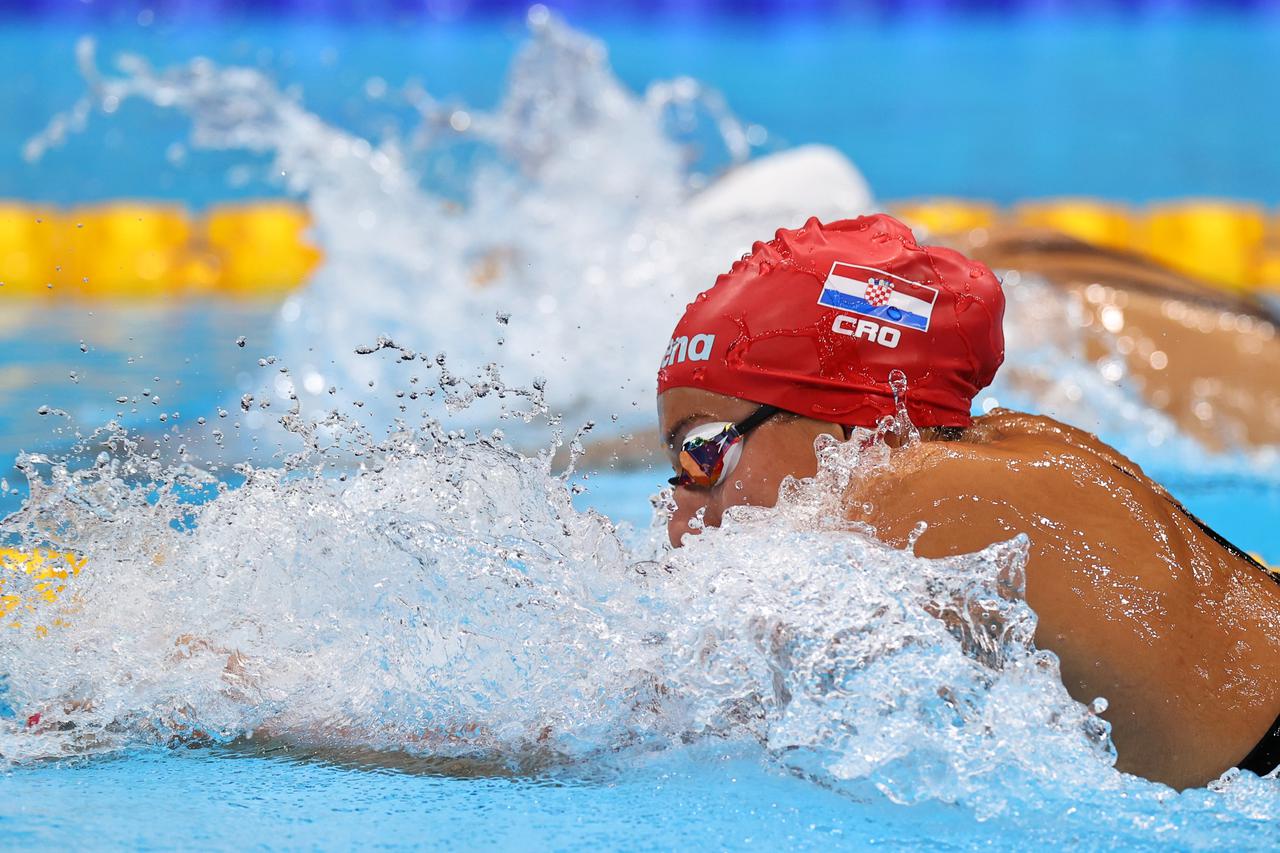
(1230, 546)
(1265, 757)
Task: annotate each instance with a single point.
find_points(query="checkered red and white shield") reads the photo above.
(878, 290)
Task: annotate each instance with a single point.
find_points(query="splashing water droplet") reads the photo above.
(898, 383)
(904, 429)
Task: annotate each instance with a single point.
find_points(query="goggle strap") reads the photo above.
(756, 418)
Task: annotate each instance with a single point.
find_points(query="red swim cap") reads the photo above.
(814, 321)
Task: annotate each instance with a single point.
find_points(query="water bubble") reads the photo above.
(538, 15)
(916, 532)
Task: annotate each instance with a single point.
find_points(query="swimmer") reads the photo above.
(1143, 604)
(1206, 357)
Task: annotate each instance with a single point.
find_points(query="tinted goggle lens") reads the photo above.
(708, 455)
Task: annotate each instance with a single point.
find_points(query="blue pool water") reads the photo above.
(702, 798)
(1005, 107)
(344, 604)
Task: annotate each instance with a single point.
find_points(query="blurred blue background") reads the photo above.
(1133, 101)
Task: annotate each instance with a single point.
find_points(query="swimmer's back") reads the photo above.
(1148, 607)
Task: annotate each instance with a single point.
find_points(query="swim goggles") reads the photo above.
(709, 453)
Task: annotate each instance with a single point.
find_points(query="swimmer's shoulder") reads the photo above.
(1016, 444)
(1008, 473)
(968, 485)
(1006, 434)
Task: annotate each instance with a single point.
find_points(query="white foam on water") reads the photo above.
(447, 600)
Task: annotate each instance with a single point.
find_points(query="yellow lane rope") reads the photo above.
(131, 249)
(138, 249)
(1233, 244)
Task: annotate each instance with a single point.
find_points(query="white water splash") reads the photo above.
(446, 600)
(574, 209)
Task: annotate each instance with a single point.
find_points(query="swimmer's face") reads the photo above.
(781, 446)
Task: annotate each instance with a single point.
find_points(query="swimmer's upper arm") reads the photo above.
(1111, 574)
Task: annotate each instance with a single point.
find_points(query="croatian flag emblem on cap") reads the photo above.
(876, 293)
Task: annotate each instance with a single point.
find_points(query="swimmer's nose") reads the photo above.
(688, 503)
(678, 523)
(676, 529)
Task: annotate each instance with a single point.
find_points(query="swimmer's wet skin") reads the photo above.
(1144, 605)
